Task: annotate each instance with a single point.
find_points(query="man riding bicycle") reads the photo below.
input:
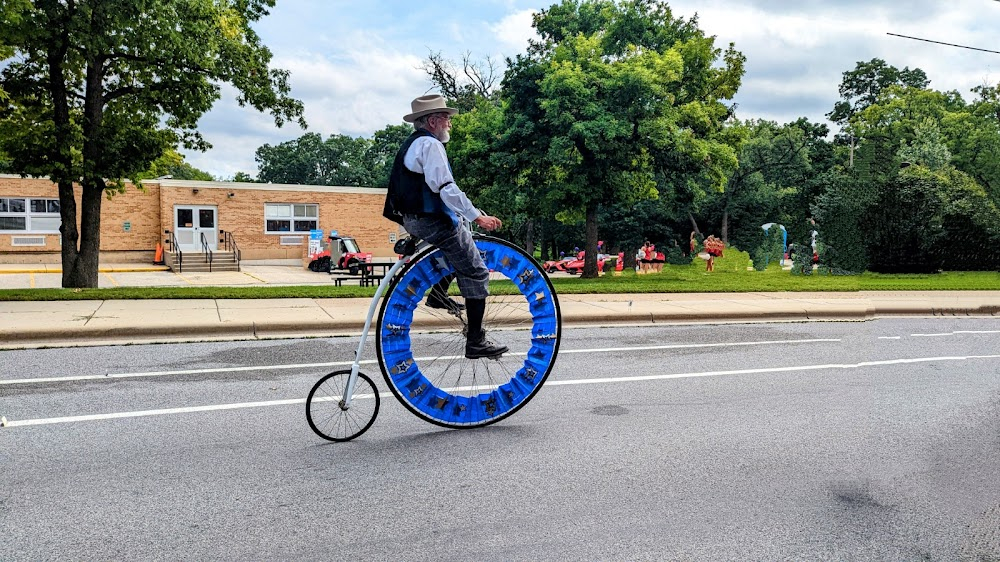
(424, 198)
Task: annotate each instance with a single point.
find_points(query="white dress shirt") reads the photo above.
(427, 156)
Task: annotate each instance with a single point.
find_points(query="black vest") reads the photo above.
(408, 192)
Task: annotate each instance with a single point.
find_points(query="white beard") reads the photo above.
(443, 136)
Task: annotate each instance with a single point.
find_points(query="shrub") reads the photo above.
(770, 248)
(733, 260)
(839, 213)
(675, 256)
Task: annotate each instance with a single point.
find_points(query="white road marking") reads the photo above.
(574, 382)
(890, 337)
(373, 361)
(955, 333)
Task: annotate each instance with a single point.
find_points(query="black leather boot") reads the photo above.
(438, 297)
(476, 344)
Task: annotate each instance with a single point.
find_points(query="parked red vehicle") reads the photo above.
(576, 266)
(342, 252)
(553, 266)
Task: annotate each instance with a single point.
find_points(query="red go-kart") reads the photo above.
(575, 266)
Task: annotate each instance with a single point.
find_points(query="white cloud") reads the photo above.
(797, 51)
(357, 92)
(514, 31)
(354, 92)
(357, 70)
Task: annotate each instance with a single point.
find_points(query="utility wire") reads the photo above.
(943, 43)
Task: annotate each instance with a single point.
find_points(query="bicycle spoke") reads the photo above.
(421, 349)
(328, 419)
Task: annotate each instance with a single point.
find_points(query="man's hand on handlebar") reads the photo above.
(488, 223)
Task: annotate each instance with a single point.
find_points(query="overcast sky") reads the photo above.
(356, 64)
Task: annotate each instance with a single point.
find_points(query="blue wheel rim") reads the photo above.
(448, 405)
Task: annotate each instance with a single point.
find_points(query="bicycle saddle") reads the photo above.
(406, 246)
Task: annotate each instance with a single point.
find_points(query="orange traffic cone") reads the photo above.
(158, 259)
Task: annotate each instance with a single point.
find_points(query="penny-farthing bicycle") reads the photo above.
(421, 349)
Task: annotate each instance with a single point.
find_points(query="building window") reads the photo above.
(287, 217)
(20, 214)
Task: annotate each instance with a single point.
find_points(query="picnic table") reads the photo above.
(369, 274)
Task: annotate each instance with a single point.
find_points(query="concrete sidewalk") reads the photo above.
(34, 324)
(49, 276)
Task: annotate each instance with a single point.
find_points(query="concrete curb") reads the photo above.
(143, 269)
(249, 330)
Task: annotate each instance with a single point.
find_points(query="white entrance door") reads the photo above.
(191, 221)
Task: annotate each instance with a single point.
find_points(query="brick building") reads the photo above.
(269, 222)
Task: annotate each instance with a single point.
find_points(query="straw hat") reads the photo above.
(425, 105)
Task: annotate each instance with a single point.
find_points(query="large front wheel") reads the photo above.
(421, 349)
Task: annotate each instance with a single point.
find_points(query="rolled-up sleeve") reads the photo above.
(427, 156)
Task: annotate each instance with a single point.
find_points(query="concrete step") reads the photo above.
(197, 262)
(203, 267)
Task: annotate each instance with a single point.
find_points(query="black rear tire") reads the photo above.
(328, 419)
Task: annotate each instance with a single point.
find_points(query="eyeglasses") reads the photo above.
(444, 116)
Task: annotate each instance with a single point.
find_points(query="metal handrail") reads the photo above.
(229, 245)
(175, 249)
(206, 250)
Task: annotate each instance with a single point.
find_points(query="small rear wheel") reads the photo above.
(325, 409)
(353, 266)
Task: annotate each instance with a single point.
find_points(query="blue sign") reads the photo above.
(315, 242)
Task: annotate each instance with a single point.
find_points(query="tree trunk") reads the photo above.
(590, 259)
(543, 243)
(694, 224)
(82, 271)
(70, 235)
(529, 237)
(725, 226)
(64, 158)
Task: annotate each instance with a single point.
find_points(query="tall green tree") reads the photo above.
(244, 177)
(11, 12)
(382, 151)
(616, 93)
(773, 165)
(310, 160)
(338, 160)
(172, 164)
(974, 139)
(98, 89)
(860, 88)
(466, 88)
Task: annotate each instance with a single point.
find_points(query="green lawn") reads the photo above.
(673, 279)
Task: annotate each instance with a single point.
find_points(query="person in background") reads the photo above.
(647, 257)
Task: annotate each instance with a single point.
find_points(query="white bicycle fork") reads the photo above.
(345, 402)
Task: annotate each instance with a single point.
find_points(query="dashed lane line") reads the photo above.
(184, 372)
(576, 382)
(955, 333)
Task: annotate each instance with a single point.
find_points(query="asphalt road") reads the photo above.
(834, 441)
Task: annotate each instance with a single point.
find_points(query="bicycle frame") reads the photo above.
(440, 401)
(345, 402)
